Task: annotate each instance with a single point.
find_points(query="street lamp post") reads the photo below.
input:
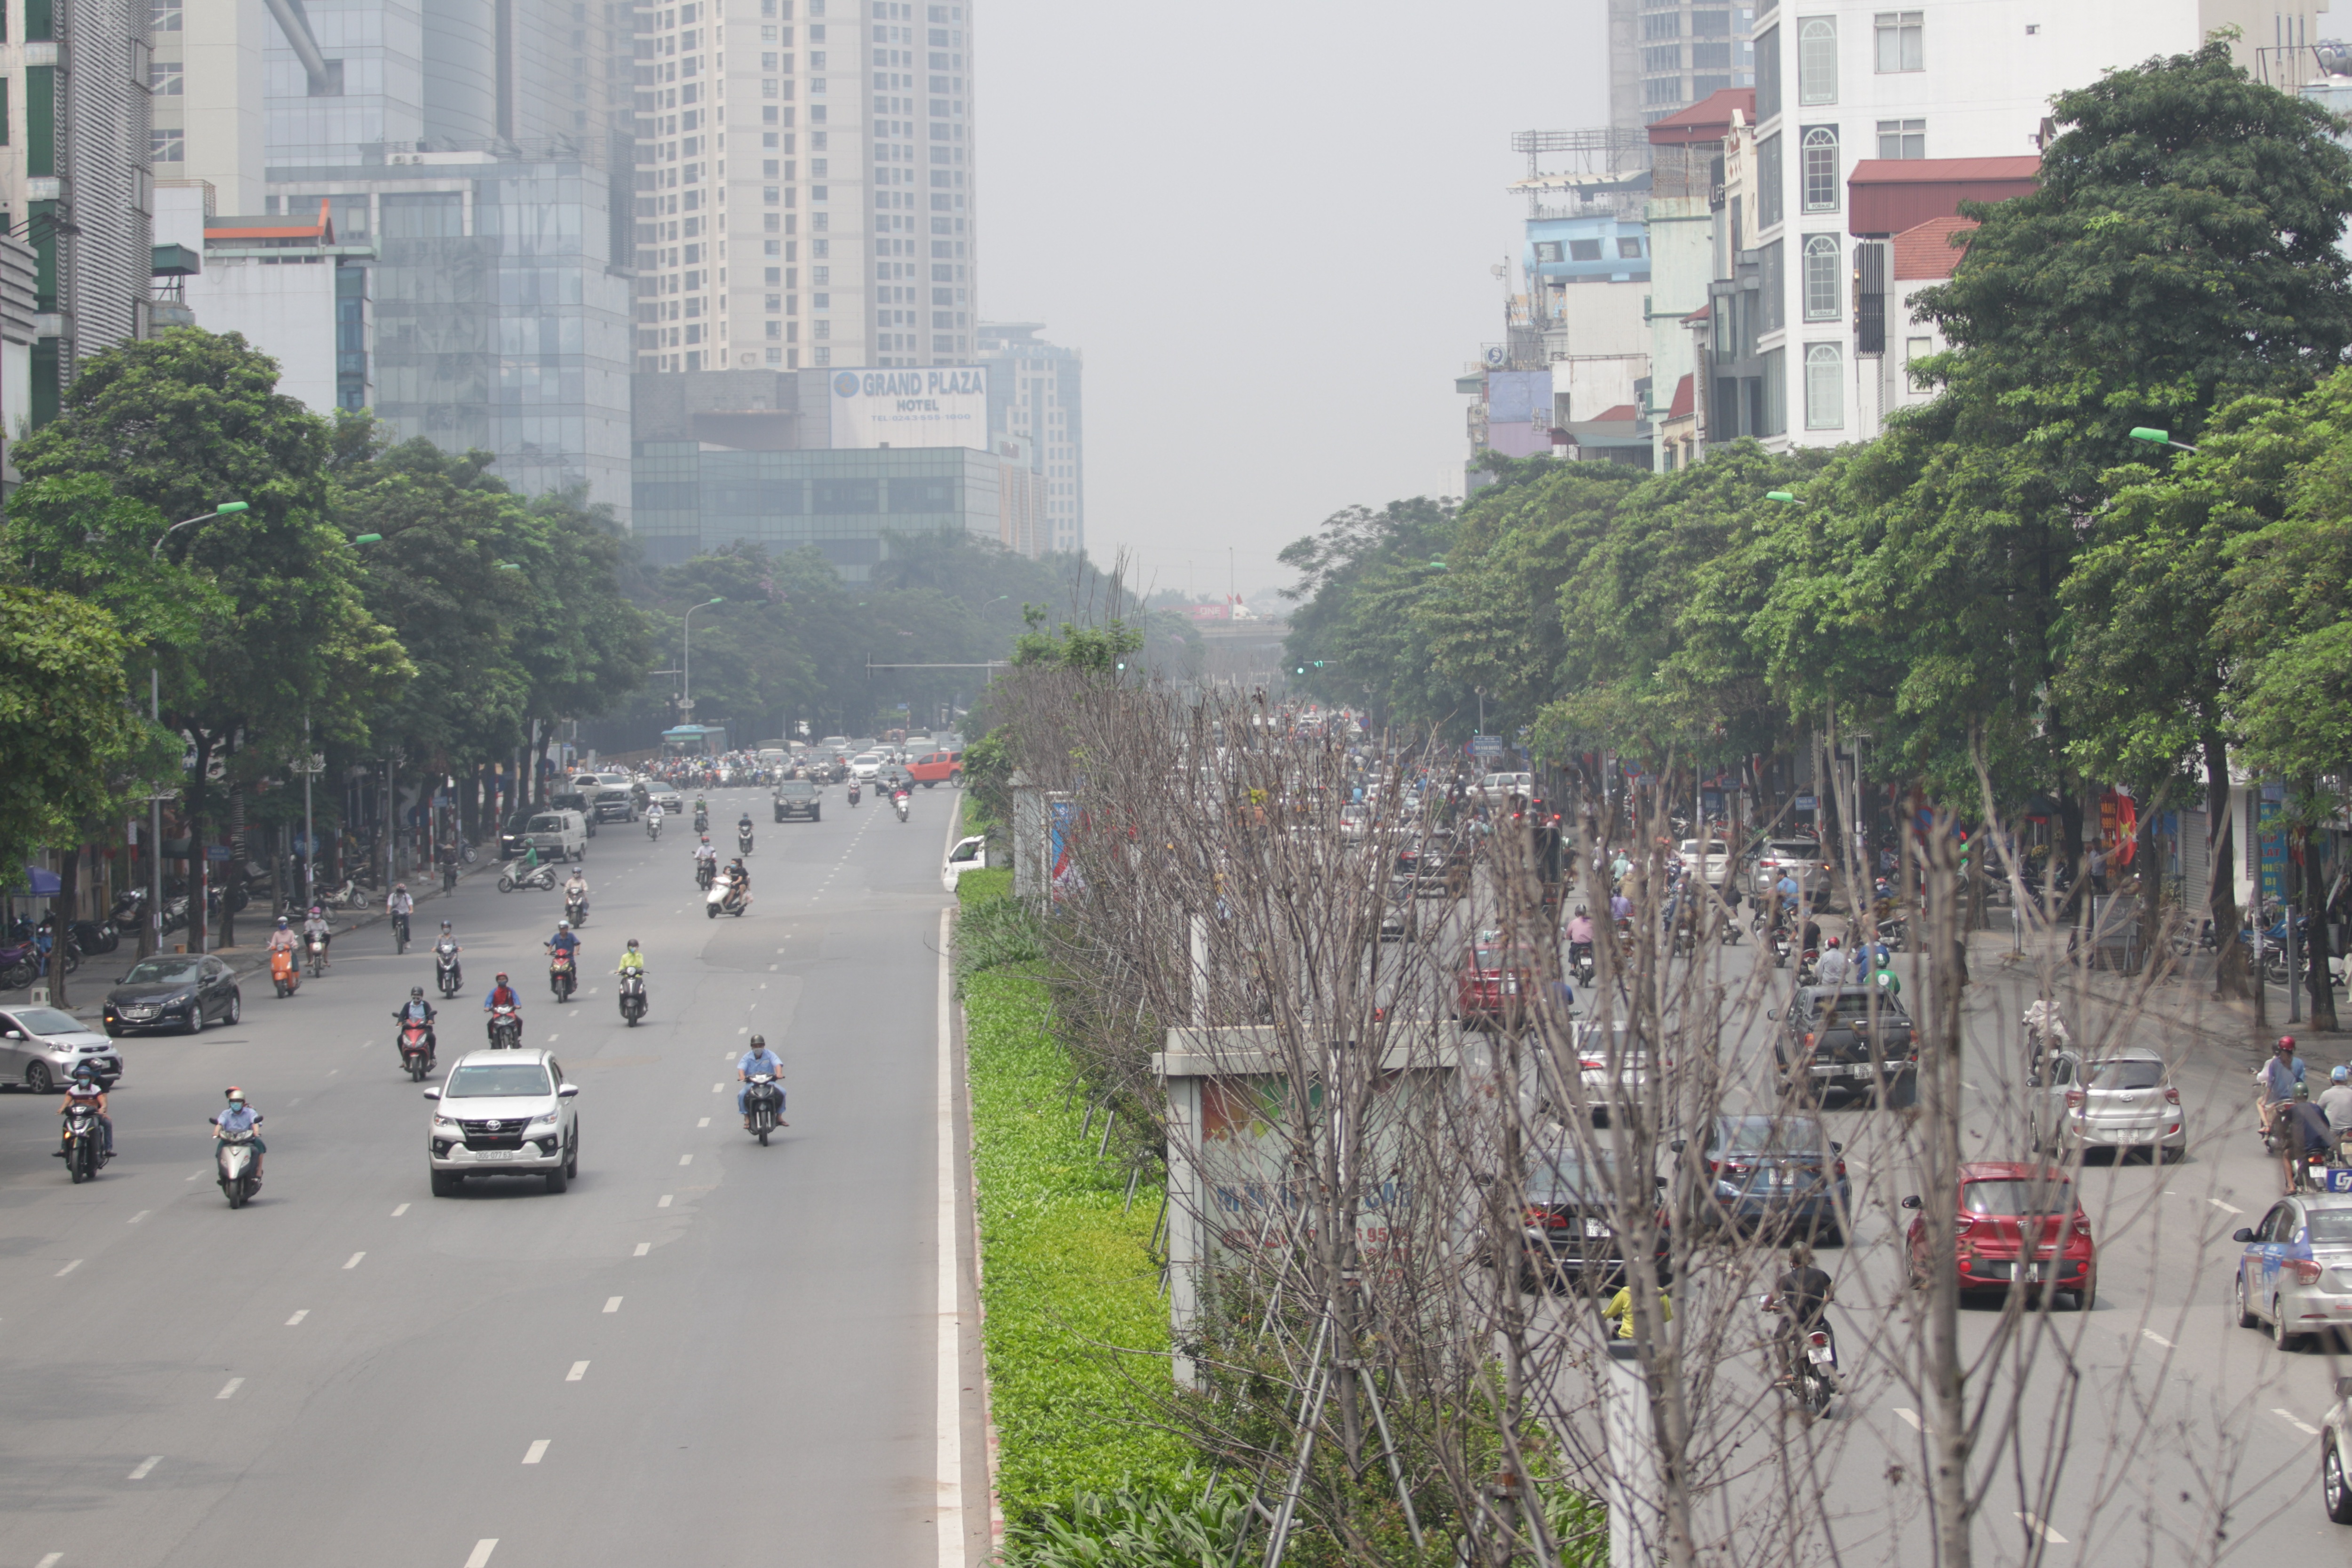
(686, 702)
(197, 868)
(2160, 438)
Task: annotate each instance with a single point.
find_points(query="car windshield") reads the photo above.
(547, 824)
(1564, 1176)
(1495, 957)
(1770, 1135)
(797, 786)
(495, 1080)
(2014, 1197)
(2128, 1075)
(1784, 850)
(161, 971)
(1855, 1006)
(49, 1021)
(2329, 1227)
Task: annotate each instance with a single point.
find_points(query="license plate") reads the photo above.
(1593, 1228)
(1510, 988)
(1818, 1354)
(498, 1154)
(2037, 1272)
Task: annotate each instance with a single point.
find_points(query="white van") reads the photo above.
(558, 835)
(969, 855)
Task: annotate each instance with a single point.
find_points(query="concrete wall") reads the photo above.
(287, 312)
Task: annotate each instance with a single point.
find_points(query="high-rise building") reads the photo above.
(71, 187)
(804, 191)
(1666, 54)
(1034, 392)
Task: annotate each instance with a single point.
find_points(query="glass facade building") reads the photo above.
(692, 497)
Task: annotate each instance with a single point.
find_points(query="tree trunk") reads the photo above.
(199, 918)
(233, 881)
(62, 910)
(2222, 899)
(2150, 883)
(2321, 945)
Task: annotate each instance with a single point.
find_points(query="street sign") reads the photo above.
(1807, 803)
(216, 851)
(1485, 746)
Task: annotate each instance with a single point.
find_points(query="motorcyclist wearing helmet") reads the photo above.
(576, 886)
(564, 944)
(1801, 1296)
(503, 995)
(2336, 1099)
(738, 881)
(89, 1088)
(633, 961)
(319, 926)
(419, 1011)
(283, 939)
(759, 1058)
(240, 1117)
(1579, 935)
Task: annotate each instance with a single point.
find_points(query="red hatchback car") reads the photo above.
(1493, 983)
(2012, 1215)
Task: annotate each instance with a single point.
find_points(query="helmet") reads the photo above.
(316, 911)
(1581, 908)
(502, 977)
(283, 922)
(444, 925)
(758, 1042)
(706, 838)
(563, 925)
(633, 944)
(234, 1095)
(417, 993)
(86, 1071)
(2341, 1074)
(400, 886)
(2286, 1042)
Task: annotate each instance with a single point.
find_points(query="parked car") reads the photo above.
(1493, 984)
(1572, 1219)
(609, 792)
(799, 797)
(1776, 1175)
(2296, 1273)
(1710, 861)
(2335, 1456)
(40, 1047)
(2016, 1219)
(181, 990)
(2119, 1102)
(503, 1113)
(932, 767)
(1849, 1040)
(561, 835)
(1499, 788)
(969, 855)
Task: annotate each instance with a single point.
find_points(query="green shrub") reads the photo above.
(1179, 1522)
(1067, 1271)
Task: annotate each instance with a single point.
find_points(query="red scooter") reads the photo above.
(415, 1047)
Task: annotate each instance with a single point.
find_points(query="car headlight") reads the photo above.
(541, 1124)
(444, 1124)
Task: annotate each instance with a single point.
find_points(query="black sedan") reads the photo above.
(1575, 1210)
(798, 797)
(181, 991)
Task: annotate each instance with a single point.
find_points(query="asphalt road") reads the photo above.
(705, 1352)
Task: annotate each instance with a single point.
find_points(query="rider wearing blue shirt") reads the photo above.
(759, 1058)
(564, 940)
(239, 1117)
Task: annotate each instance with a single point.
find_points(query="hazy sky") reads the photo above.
(1269, 228)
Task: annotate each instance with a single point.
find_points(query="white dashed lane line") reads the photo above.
(142, 1214)
(578, 1370)
(146, 1468)
(612, 1303)
(1908, 1417)
(401, 1210)
(298, 1317)
(2300, 1424)
(2160, 1338)
(2225, 1208)
(2033, 1523)
(480, 1556)
(536, 1452)
(685, 1159)
(665, 1201)
(642, 1248)
(353, 1260)
(69, 1269)
(230, 1388)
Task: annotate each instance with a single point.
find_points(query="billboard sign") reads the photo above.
(946, 406)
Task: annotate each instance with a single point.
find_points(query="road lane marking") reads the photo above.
(2292, 1420)
(354, 1261)
(704, 1122)
(1908, 1417)
(69, 1268)
(401, 1210)
(743, 1031)
(771, 968)
(2033, 1523)
(612, 1303)
(665, 1201)
(298, 1317)
(642, 1248)
(550, 1039)
(536, 1452)
(146, 1468)
(191, 1175)
(717, 1087)
(950, 1370)
(230, 1387)
(2225, 1208)
(480, 1555)
(685, 1159)
(2160, 1338)
(142, 1214)
(578, 1370)
(52, 1560)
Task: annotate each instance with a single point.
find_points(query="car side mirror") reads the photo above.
(1679, 1144)
(1910, 1202)
(432, 1094)
(1771, 1013)
(567, 1091)
(2241, 1234)
(15, 1035)
(1837, 1148)
(1662, 1184)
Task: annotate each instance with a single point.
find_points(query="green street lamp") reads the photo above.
(1437, 563)
(505, 566)
(367, 539)
(226, 509)
(2158, 439)
(685, 703)
(1786, 498)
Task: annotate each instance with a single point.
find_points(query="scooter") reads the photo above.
(742, 841)
(448, 876)
(284, 971)
(1586, 966)
(899, 802)
(653, 828)
(447, 972)
(399, 933)
(238, 1163)
(633, 996)
(576, 912)
(542, 877)
(415, 1047)
(853, 792)
(315, 944)
(1808, 967)
(764, 1102)
(561, 977)
(1812, 1378)
(1780, 950)
(506, 1029)
(705, 873)
(721, 901)
(84, 1143)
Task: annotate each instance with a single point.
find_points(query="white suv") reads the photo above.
(503, 1113)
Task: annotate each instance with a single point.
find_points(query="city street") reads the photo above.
(705, 1352)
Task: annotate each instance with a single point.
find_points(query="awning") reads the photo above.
(45, 883)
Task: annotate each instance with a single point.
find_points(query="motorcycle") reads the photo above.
(84, 1142)
(543, 878)
(235, 1157)
(705, 872)
(742, 841)
(20, 962)
(576, 912)
(399, 933)
(1808, 967)
(315, 944)
(722, 901)
(415, 1047)
(1812, 1377)
(446, 972)
(899, 801)
(90, 938)
(506, 1028)
(764, 1102)
(701, 821)
(1586, 965)
(284, 971)
(633, 996)
(653, 828)
(853, 792)
(562, 978)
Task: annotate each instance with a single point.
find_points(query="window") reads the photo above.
(1901, 138)
(164, 79)
(1710, 24)
(1711, 56)
(167, 146)
(1767, 400)
(1768, 75)
(1901, 41)
(1666, 89)
(1773, 281)
(1662, 57)
(1629, 249)
(1817, 60)
(1822, 277)
(1768, 180)
(165, 17)
(1820, 174)
(1584, 251)
(1666, 25)
(1824, 388)
(1546, 250)
(1914, 351)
